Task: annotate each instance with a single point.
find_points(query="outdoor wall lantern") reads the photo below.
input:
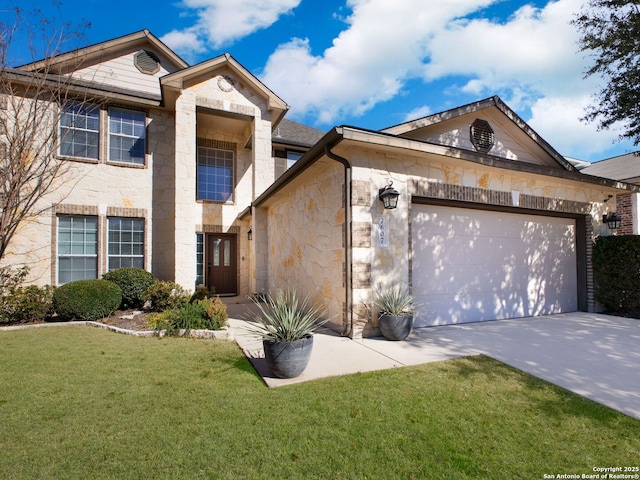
(389, 196)
(612, 220)
(250, 234)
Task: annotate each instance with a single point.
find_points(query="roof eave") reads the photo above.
(59, 61)
(393, 141)
(84, 88)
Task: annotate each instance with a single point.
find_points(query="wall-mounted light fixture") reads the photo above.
(612, 220)
(389, 196)
(250, 234)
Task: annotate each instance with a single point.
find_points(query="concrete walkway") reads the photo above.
(593, 355)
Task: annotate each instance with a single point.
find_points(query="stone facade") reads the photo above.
(305, 240)
(438, 178)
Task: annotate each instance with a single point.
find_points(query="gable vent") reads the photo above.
(146, 62)
(482, 136)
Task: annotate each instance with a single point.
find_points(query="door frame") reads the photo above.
(231, 287)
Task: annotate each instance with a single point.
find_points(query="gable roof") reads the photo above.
(625, 168)
(179, 79)
(92, 54)
(379, 140)
(408, 129)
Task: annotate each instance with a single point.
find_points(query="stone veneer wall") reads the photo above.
(442, 179)
(88, 187)
(254, 171)
(305, 239)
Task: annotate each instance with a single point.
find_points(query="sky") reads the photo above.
(375, 63)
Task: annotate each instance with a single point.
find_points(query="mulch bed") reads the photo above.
(128, 319)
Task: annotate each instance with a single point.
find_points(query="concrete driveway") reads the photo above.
(593, 355)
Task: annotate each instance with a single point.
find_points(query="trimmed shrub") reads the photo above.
(26, 304)
(86, 299)
(134, 283)
(616, 272)
(166, 296)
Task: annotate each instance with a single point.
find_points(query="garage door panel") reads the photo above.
(472, 278)
(475, 265)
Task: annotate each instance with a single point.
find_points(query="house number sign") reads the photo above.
(383, 233)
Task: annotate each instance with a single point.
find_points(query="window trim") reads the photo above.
(108, 134)
(71, 129)
(71, 255)
(232, 185)
(109, 255)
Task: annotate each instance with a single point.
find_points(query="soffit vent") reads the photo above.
(482, 136)
(146, 62)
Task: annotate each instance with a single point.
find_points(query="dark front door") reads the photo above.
(221, 263)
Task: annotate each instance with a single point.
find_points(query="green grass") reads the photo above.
(82, 403)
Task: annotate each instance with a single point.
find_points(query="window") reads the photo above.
(126, 136)
(77, 248)
(214, 174)
(126, 243)
(80, 131)
(285, 159)
(199, 259)
(292, 158)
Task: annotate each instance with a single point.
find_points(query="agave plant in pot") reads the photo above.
(286, 324)
(396, 308)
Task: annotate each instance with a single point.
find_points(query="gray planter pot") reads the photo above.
(395, 327)
(288, 359)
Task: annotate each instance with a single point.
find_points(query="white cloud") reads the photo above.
(185, 42)
(221, 22)
(417, 112)
(531, 59)
(385, 44)
(555, 119)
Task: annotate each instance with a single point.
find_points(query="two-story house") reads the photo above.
(193, 173)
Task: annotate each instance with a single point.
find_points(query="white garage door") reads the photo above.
(473, 265)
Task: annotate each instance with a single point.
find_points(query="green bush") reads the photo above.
(86, 299)
(202, 292)
(134, 283)
(26, 304)
(207, 314)
(166, 296)
(616, 273)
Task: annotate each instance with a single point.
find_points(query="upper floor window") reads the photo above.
(77, 248)
(214, 174)
(127, 136)
(80, 131)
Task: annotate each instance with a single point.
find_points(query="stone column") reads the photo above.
(185, 190)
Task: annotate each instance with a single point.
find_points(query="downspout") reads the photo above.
(348, 327)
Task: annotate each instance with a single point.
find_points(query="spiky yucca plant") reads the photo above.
(285, 317)
(394, 301)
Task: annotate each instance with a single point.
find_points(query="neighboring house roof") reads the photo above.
(296, 134)
(625, 168)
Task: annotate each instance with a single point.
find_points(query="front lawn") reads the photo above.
(83, 403)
